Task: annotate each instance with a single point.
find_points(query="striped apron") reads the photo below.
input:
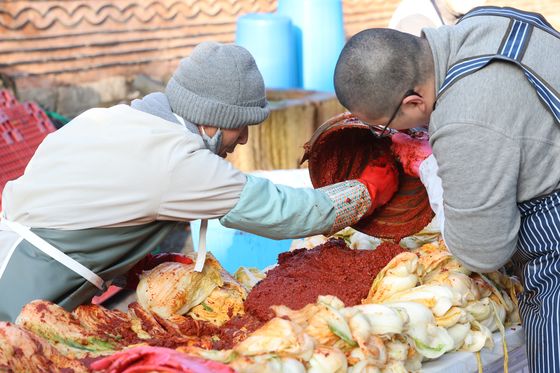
(537, 258)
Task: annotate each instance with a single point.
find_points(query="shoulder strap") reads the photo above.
(511, 49)
(534, 19)
(436, 8)
(56, 254)
(201, 251)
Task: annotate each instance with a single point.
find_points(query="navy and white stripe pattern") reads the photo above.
(538, 260)
(531, 18)
(511, 50)
(462, 69)
(514, 43)
(546, 94)
(516, 40)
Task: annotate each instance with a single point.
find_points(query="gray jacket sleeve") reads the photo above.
(479, 171)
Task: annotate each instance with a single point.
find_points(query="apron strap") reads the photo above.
(201, 251)
(56, 254)
(438, 12)
(4, 263)
(534, 19)
(512, 49)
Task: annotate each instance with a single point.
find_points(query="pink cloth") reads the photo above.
(410, 151)
(159, 359)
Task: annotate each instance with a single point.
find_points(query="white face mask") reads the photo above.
(212, 143)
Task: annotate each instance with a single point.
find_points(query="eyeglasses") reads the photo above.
(375, 129)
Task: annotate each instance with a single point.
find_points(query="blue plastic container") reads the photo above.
(319, 33)
(234, 248)
(269, 38)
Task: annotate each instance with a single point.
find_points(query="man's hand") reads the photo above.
(381, 179)
(410, 151)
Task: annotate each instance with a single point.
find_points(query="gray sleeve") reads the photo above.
(479, 170)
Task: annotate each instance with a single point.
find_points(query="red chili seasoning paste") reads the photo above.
(236, 330)
(340, 149)
(328, 269)
(407, 213)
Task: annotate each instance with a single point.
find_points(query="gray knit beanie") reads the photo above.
(218, 85)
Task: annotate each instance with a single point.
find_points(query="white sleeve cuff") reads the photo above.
(428, 175)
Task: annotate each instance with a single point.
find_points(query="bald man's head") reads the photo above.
(376, 68)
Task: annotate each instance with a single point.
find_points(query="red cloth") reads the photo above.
(410, 151)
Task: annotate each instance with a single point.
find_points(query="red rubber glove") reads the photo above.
(381, 180)
(150, 262)
(410, 151)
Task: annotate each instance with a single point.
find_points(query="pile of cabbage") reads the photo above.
(213, 295)
(46, 337)
(423, 304)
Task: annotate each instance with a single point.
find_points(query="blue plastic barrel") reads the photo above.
(269, 38)
(234, 248)
(319, 31)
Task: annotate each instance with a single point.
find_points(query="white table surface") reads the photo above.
(492, 360)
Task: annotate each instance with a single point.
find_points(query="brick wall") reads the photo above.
(47, 43)
(73, 41)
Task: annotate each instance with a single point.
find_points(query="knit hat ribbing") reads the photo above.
(218, 85)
